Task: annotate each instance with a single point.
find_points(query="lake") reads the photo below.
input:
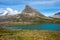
(35, 27)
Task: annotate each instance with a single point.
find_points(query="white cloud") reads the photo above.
(9, 9)
(16, 11)
(45, 2)
(55, 0)
(57, 11)
(50, 13)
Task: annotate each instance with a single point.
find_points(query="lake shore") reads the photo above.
(14, 23)
(22, 23)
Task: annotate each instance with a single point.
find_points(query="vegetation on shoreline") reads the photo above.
(31, 22)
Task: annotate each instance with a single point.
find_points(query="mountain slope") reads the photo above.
(29, 15)
(29, 11)
(57, 15)
(9, 11)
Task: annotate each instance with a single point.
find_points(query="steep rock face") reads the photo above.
(57, 15)
(29, 11)
(30, 14)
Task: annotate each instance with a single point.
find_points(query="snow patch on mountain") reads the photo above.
(9, 11)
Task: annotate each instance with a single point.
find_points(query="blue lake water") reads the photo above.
(35, 27)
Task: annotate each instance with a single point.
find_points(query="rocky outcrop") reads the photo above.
(29, 11)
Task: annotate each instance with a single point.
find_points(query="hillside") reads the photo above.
(56, 15)
(29, 14)
(29, 35)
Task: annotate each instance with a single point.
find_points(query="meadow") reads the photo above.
(6, 34)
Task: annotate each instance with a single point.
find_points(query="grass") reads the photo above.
(29, 34)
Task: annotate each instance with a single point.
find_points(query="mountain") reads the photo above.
(29, 11)
(57, 15)
(8, 15)
(9, 12)
(29, 14)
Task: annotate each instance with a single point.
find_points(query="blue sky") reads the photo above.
(46, 7)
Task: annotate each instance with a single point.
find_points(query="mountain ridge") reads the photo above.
(29, 14)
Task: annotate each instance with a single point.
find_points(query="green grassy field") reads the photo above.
(29, 34)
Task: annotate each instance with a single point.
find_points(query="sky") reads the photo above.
(46, 7)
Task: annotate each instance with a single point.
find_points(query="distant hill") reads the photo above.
(56, 15)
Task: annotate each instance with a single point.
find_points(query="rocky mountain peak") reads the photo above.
(30, 11)
(27, 6)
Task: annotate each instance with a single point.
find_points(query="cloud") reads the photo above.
(13, 2)
(19, 2)
(45, 2)
(57, 11)
(9, 9)
(50, 13)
